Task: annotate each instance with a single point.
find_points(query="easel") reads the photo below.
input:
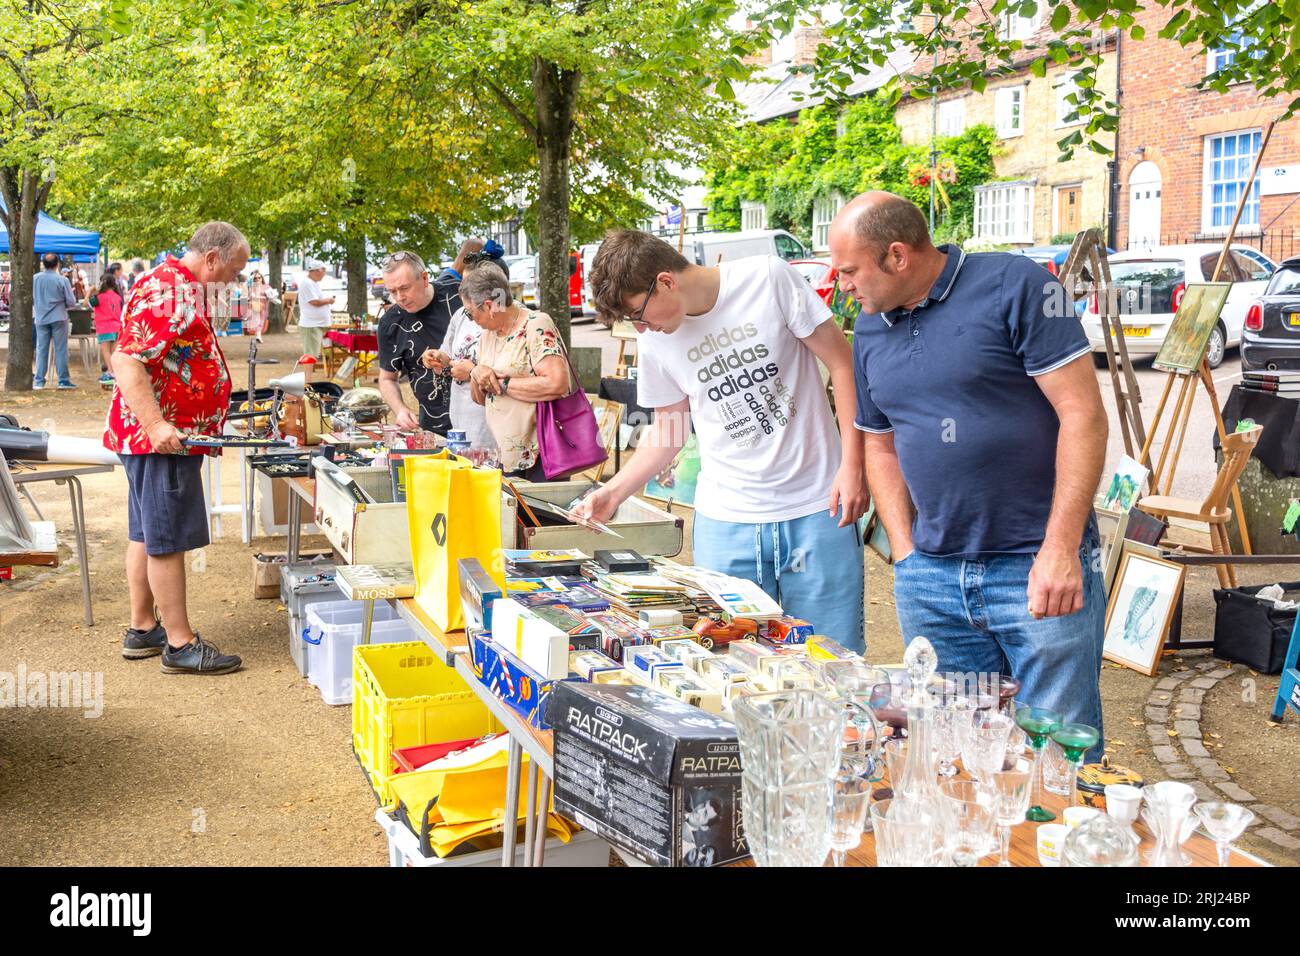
(1177, 431)
(1087, 265)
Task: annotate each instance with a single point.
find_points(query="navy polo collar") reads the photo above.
(942, 286)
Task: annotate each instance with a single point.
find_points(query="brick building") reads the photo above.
(1184, 154)
(1035, 196)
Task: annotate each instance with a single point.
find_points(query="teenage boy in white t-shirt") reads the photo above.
(733, 349)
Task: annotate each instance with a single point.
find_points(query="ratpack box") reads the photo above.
(648, 773)
(522, 689)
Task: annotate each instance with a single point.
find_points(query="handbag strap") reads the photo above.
(574, 383)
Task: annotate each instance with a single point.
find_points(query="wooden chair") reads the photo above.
(289, 303)
(1214, 510)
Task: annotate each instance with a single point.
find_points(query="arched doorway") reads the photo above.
(1144, 205)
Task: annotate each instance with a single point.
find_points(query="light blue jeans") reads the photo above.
(810, 565)
(56, 332)
(976, 614)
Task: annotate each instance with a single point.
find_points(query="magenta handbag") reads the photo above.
(568, 439)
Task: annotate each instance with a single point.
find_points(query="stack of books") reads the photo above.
(630, 593)
(1284, 384)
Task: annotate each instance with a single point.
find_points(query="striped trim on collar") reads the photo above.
(932, 297)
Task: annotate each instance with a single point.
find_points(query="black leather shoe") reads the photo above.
(198, 657)
(137, 644)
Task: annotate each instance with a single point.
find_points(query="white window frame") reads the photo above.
(1064, 87)
(1248, 223)
(1006, 101)
(948, 109)
(1015, 27)
(1000, 216)
(825, 208)
(753, 214)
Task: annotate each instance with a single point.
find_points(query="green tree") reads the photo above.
(960, 43)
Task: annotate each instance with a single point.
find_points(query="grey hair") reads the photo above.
(221, 236)
(409, 259)
(487, 281)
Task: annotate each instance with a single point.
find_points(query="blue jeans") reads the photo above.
(58, 333)
(810, 565)
(976, 614)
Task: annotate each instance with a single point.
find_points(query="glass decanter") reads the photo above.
(916, 793)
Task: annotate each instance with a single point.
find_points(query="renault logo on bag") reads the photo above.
(439, 528)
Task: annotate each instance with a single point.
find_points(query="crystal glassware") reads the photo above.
(1010, 789)
(1167, 812)
(1074, 740)
(1101, 841)
(790, 745)
(854, 682)
(905, 836)
(1224, 822)
(953, 720)
(967, 814)
(852, 799)
(986, 744)
(1038, 723)
(1056, 769)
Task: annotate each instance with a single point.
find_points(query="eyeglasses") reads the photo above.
(397, 257)
(637, 319)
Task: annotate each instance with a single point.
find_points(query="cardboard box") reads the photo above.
(787, 630)
(522, 689)
(266, 570)
(539, 645)
(477, 592)
(653, 775)
(644, 661)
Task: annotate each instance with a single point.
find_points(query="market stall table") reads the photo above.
(25, 472)
(362, 345)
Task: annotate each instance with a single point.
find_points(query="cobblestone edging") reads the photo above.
(1175, 704)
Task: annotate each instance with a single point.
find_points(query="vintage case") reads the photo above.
(652, 775)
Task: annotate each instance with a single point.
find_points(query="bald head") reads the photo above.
(878, 219)
(881, 247)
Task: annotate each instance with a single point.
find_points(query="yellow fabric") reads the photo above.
(453, 511)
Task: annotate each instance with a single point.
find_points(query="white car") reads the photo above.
(1150, 284)
(523, 269)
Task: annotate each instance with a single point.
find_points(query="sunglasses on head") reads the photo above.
(397, 257)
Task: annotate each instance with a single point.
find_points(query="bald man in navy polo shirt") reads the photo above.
(985, 438)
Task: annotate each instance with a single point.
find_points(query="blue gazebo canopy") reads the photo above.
(59, 238)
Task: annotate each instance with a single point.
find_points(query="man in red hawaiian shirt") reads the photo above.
(172, 382)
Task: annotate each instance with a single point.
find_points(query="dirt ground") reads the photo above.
(254, 769)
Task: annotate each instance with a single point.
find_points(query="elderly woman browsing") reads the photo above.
(520, 363)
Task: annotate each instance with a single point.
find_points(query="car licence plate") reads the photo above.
(1293, 320)
(1137, 331)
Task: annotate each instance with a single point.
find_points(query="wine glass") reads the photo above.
(1038, 723)
(1011, 790)
(953, 721)
(1224, 822)
(905, 835)
(852, 798)
(967, 821)
(1074, 741)
(986, 744)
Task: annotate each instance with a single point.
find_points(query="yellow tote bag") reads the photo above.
(453, 511)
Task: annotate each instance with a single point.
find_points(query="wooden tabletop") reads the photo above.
(51, 470)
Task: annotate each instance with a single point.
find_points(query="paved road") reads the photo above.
(1196, 467)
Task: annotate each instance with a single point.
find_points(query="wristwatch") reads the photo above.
(505, 385)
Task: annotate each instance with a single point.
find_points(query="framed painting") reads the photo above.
(676, 484)
(1189, 333)
(1141, 606)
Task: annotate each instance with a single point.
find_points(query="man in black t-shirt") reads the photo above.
(418, 321)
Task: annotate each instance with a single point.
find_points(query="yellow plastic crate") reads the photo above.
(404, 696)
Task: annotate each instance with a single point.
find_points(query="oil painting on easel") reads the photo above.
(1189, 333)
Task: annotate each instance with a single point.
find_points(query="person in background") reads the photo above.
(115, 270)
(77, 276)
(260, 295)
(985, 440)
(733, 350)
(107, 303)
(456, 359)
(414, 324)
(172, 382)
(52, 296)
(520, 363)
(137, 270)
(313, 308)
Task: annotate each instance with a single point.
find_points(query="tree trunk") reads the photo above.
(355, 264)
(275, 311)
(554, 92)
(23, 197)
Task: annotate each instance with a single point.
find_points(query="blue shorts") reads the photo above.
(165, 506)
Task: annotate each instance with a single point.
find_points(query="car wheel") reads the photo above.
(1218, 346)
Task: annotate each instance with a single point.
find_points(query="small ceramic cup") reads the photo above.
(1076, 816)
(1124, 803)
(1051, 843)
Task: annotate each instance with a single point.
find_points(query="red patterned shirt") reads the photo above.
(165, 326)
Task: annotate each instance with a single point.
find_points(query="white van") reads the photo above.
(710, 248)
